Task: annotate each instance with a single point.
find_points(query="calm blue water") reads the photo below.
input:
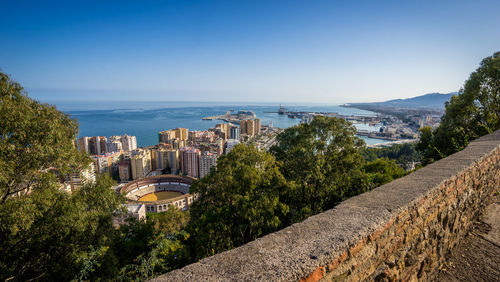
(146, 119)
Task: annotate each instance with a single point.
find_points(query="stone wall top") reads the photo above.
(299, 250)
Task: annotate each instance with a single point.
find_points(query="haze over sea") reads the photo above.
(146, 119)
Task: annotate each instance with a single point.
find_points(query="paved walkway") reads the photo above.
(477, 258)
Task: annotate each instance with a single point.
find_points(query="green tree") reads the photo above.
(402, 154)
(47, 233)
(164, 253)
(148, 247)
(474, 112)
(426, 145)
(133, 240)
(34, 138)
(323, 158)
(237, 202)
(170, 222)
(381, 171)
(50, 234)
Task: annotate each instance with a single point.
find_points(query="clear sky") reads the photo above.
(257, 51)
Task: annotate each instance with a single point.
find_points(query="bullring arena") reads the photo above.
(158, 193)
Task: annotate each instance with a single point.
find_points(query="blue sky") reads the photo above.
(254, 51)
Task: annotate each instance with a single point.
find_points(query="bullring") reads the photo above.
(170, 190)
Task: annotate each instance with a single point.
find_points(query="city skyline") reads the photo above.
(321, 51)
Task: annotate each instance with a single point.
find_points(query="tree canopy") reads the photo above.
(34, 138)
(146, 248)
(48, 233)
(237, 202)
(323, 158)
(474, 112)
(382, 171)
(402, 154)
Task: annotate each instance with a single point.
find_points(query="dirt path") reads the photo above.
(477, 258)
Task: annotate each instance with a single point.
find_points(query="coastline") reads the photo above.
(146, 120)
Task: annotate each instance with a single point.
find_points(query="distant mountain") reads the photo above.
(428, 101)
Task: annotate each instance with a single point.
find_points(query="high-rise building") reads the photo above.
(83, 145)
(159, 158)
(181, 133)
(107, 163)
(129, 143)
(102, 163)
(207, 161)
(247, 127)
(190, 161)
(113, 146)
(257, 126)
(168, 135)
(97, 145)
(141, 164)
(154, 156)
(243, 126)
(92, 146)
(177, 143)
(125, 170)
(220, 146)
(224, 128)
(102, 144)
(115, 138)
(235, 133)
(165, 136)
(173, 160)
(220, 133)
(115, 158)
(250, 127)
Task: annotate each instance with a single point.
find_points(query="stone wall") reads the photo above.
(401, 230)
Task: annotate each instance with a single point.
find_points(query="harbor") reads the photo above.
(375, 126)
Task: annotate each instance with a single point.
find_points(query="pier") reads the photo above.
(233, 118)
(227, 115)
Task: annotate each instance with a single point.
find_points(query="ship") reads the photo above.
(246, 114)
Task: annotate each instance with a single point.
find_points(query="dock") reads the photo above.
(219, 117)
(233, 117)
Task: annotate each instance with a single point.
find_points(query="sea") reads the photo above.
(144, 119)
